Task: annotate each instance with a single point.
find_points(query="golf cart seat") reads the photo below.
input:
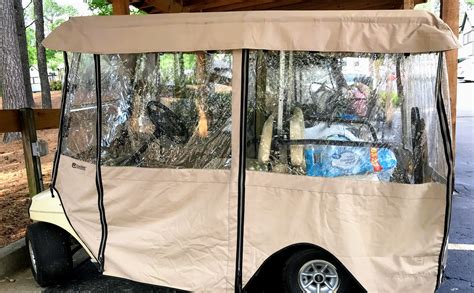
(266, 140)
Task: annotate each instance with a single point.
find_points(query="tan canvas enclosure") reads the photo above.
(195, 149)
(329, 31)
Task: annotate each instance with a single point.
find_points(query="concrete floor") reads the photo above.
(460, 269)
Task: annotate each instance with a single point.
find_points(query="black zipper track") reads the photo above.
(60, 141)
(242, 168)
(61, 123)
(448, 152)
(98, 177)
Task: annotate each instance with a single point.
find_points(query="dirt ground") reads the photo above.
(14, 197)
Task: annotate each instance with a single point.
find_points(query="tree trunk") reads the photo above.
(14, 95)
(20, 29)
(41, 55)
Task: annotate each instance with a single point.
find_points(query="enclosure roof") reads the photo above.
(378, 31)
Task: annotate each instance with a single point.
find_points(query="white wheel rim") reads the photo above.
(318, 276)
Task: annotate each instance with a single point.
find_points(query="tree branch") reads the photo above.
(26, 7)
(30, 24)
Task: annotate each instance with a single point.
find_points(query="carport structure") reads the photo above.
(172, 6)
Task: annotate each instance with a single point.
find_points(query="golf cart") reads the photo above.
(252, 151)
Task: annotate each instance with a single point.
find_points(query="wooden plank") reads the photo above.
(166, 6)
(231, 5)
(32, 161)
(209, 4)
(249, 5)
(9, 121)
(143, 5)
(346, 5)
(450, 15)
(308, 5)
(334, 5)
(120, 7)
(44, 119)
(47, 118)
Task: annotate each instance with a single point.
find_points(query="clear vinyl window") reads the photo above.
(167, 110)
(361, 116)
(79, 124)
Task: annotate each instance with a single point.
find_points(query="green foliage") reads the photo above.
(393, 96)
(469, 2)
(31, 44)
(189, 61)
(56, 85)
(103, 7)
(99, 7)
(54, 14)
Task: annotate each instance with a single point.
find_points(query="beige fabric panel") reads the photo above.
(378, 31)
(169, 223)
(77, 189)
(167, 226)
(388, 235)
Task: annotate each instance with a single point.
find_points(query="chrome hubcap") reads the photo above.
(318, 276)
(32, 257)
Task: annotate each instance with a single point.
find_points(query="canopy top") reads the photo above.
(377, 31)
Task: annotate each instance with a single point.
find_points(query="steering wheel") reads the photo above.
(167, 123)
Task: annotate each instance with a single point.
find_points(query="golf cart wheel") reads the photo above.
(50, 253)
(310, 271)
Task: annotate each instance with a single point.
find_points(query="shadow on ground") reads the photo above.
(86, 278)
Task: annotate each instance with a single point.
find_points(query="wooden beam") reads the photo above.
(450, 15)
(250, 5)
(210, 4)
(166, 6)
(305, 5)
(143, 5)
(9, 121)
(408, 4)
(420, 1)
(338, 5)
(32, 159)
(230, 5)
(44, 119)
(47, 118)
(120, 7)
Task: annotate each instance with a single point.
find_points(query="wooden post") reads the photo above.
(200, 66)
(120, 7)
(202, 63)
(408, 4)
(450, 15)
(32, 159)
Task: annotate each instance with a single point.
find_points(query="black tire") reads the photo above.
(291, 269)
(50, 253)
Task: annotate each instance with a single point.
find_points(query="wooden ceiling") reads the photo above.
(175, 6)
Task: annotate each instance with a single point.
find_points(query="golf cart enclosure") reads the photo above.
(193, 147)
